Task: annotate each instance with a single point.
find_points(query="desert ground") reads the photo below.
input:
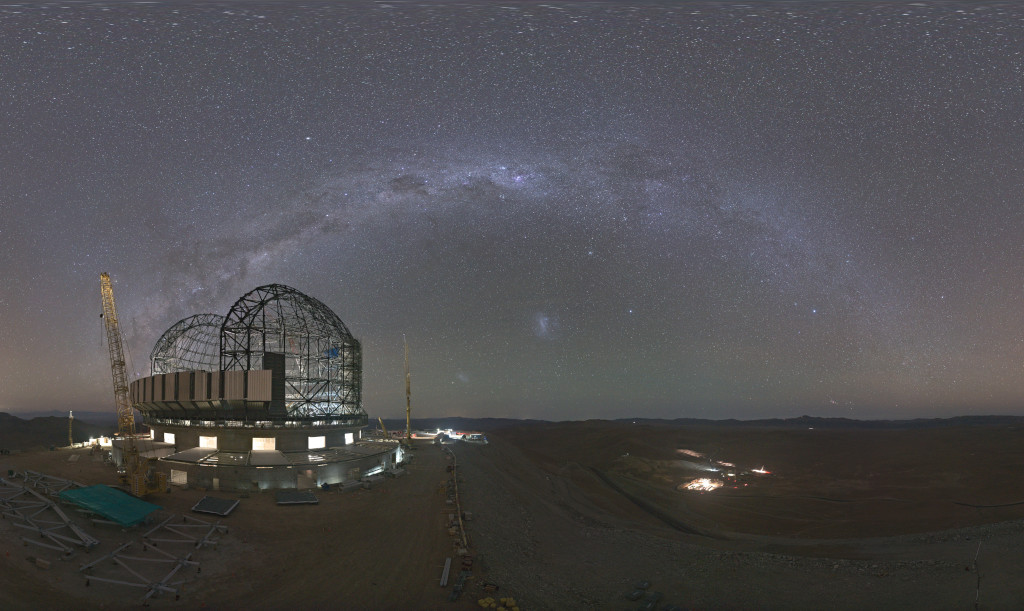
(573, 515)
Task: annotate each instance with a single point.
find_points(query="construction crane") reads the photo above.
(133, 471)
(408, 399)
(71, 418)
(383, 429)
(125, 414)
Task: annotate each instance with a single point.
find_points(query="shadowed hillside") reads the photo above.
(19, 434)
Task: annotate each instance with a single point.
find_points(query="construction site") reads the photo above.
(388, 543)
(499, 514)
(565, 515)
(253, 412)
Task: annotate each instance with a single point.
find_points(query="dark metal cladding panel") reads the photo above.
(274, 361)
(220, 507)
(295, 497)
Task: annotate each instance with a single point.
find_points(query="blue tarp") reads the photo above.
(110, 503)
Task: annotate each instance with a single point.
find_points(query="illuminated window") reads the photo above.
(263, 443)
(208, 442)
(315, 443)
(349, 438)
(168, 437)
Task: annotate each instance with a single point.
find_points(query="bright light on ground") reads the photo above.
(703, 484)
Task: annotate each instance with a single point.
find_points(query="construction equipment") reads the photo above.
(383, 429)
(408, 399)
(133, 471)
(125, 413)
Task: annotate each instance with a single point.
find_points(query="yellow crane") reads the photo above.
(383, 429)
(125, 413)
(133, 471)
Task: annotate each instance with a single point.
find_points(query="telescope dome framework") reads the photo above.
(322, 360)
(191, 344)
(269, 396)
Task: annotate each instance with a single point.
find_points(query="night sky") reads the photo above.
(572, 210)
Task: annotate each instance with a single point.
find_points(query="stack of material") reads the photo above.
(111, 503)
(294, 497)
(211, 504)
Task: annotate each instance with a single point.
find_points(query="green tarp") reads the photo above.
(110, 503)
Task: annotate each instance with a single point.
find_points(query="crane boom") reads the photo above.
(408, 399)
(134, 470)
(125, 413)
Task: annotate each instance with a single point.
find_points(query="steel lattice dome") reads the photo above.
(191, 344)
(278, 356)
(322, 361)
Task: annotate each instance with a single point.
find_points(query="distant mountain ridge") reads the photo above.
(40, 432)
(799, 422)
(840, 423)
(104, 417)
(457, 422)
(46, 431)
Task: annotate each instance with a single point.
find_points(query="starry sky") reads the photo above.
(571, 210)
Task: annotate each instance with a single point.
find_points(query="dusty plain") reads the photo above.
(572, 515)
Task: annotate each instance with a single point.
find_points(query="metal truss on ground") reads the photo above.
(190, 531)
(158, 571)
(145, 570)
(191, 344)
(30, 510)
(49, 485)
(322, 361)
